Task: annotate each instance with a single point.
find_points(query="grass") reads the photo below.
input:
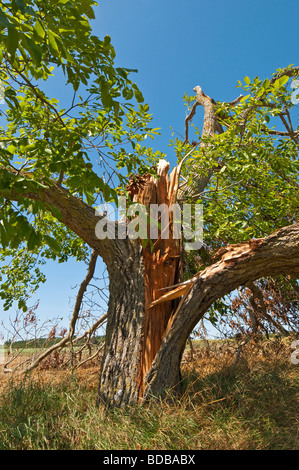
(253, 405)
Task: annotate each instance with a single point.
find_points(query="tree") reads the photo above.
(267, 306)
(240, 168)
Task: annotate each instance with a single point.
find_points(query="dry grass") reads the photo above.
(250, 405)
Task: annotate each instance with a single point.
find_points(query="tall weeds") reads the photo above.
(251, 405)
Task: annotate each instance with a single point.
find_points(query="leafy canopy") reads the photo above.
(254, 163)
(91, 144)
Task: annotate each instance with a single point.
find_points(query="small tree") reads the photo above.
(239, 167)
(267, 306)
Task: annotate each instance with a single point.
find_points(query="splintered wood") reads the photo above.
(161, 260)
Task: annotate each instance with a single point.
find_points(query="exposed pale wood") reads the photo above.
(240, 264)
(161, 265)
(147, 329)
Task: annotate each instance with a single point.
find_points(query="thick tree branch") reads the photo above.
(276, 254)
(211, 125)
(292, 72)
(289, 128)
(187, 120)
(75, 214)
(278, 133)
(260, 102)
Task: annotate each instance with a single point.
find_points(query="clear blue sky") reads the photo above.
(176, 45)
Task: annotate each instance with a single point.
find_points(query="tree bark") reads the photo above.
(161, 263)
(276, 254)
(146, 330)
(120, 376)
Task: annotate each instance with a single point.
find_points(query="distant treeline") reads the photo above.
(42, 342)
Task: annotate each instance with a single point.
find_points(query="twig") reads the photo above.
(239, 350)
(90, 357)
(189, 118)
(69, 337)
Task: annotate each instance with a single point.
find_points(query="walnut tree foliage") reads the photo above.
(254, 164)
(105, 121)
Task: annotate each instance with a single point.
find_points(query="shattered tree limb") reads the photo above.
(276, 254)
(211, 126)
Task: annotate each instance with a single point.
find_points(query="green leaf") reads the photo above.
(3, 236)
(89, 13)
(33, 240)
(138, 96)
(33, 49)
(280, 82)
(4, 23)
(74, 182)
(105, 94)
(122, 72)
(53, 245)
(22, 305)
(127, 93)
(266, 83)
(222, 169)
(56, 212)
(247, 80)
(11, 100)
(12, 41)
(20, 5)
(89, 197)
(244, 98)
(53, 44)
(107, 40)
(283, 80)
(39, 30)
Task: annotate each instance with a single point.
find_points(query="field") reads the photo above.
(231, 401)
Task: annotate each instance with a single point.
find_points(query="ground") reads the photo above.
(231, 401)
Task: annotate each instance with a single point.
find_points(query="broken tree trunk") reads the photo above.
(161, 260)
(142, 358)
(148, 325)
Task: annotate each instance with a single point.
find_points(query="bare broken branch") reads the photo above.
(68, 338)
